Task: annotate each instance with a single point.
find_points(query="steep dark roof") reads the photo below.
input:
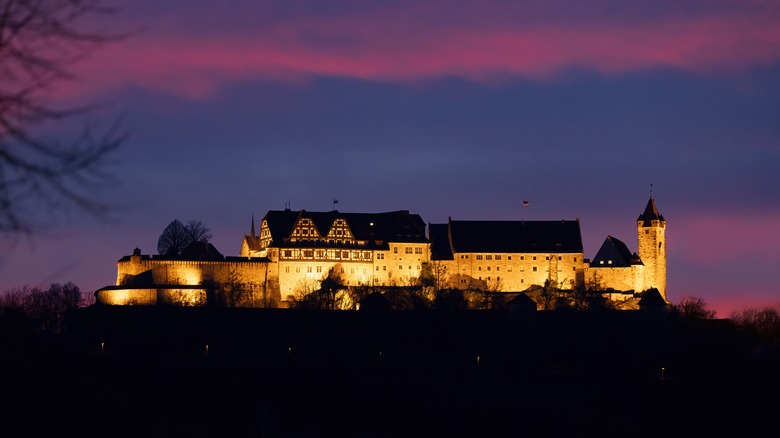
(523, 300)
(440, 242)
(394, 226)
(650, 214)
(651, 297)
(614, 250)
(253, 242)
(200, 251)
(515, 236)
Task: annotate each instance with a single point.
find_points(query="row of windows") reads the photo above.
(410, 250)
(326, 253)
(310, 269)
(509, 257)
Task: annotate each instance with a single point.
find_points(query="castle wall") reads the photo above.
(152, 296)
(618, 278)
(514, 271)
(143, 271)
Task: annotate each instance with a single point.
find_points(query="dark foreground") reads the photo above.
(283, 373)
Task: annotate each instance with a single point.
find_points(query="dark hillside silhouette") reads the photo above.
(157, 371)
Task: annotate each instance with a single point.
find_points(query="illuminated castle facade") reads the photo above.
(295, 250)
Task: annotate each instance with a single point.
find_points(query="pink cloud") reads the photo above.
(414, 43)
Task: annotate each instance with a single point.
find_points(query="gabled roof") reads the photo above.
(394, 226)
(650, 214)
(514, 236)
(614, 253)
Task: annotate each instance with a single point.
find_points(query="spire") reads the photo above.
(650, 214)
(253, 225)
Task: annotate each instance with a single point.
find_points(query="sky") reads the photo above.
(461, 109)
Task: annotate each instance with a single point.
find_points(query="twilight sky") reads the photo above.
(444, 108)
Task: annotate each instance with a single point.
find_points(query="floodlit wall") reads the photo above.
(506, 272)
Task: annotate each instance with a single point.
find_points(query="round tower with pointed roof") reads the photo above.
(651, 244)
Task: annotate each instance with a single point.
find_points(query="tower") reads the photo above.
(651, 244)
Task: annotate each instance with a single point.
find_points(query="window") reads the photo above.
(479, 268)
(547, 257)
(319, 268)
(498, 268)
(488, 268)
(534, 268)
(479, 256)
(308, 269)
(380, 256)
(287, 253)
(400, 267)
(534, 257)
(489, 257)
(522, 281)
(510, 257)
(575, 259)
(408, 250)
(559, 257)
(573, 268)
(601, 262)
(384, 268)
(377, 268)
(395, 250)
(286, 269)
(308, 253)
(418, 250)
(498, 257)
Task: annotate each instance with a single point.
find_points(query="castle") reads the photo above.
(295, 250)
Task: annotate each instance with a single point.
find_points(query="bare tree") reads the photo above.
(762, 323)
(198, 232)
(173, 239)
(47, 308)
(692, 307)
(39, 43)
(177, 236)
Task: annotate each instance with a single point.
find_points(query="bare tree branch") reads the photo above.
(40, 40)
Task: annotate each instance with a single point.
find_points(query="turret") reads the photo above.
(651, 244)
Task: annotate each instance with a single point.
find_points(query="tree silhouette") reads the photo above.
(177, 236)
(761, 323)
(45, 308)
(692, 307)
(39, 43)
